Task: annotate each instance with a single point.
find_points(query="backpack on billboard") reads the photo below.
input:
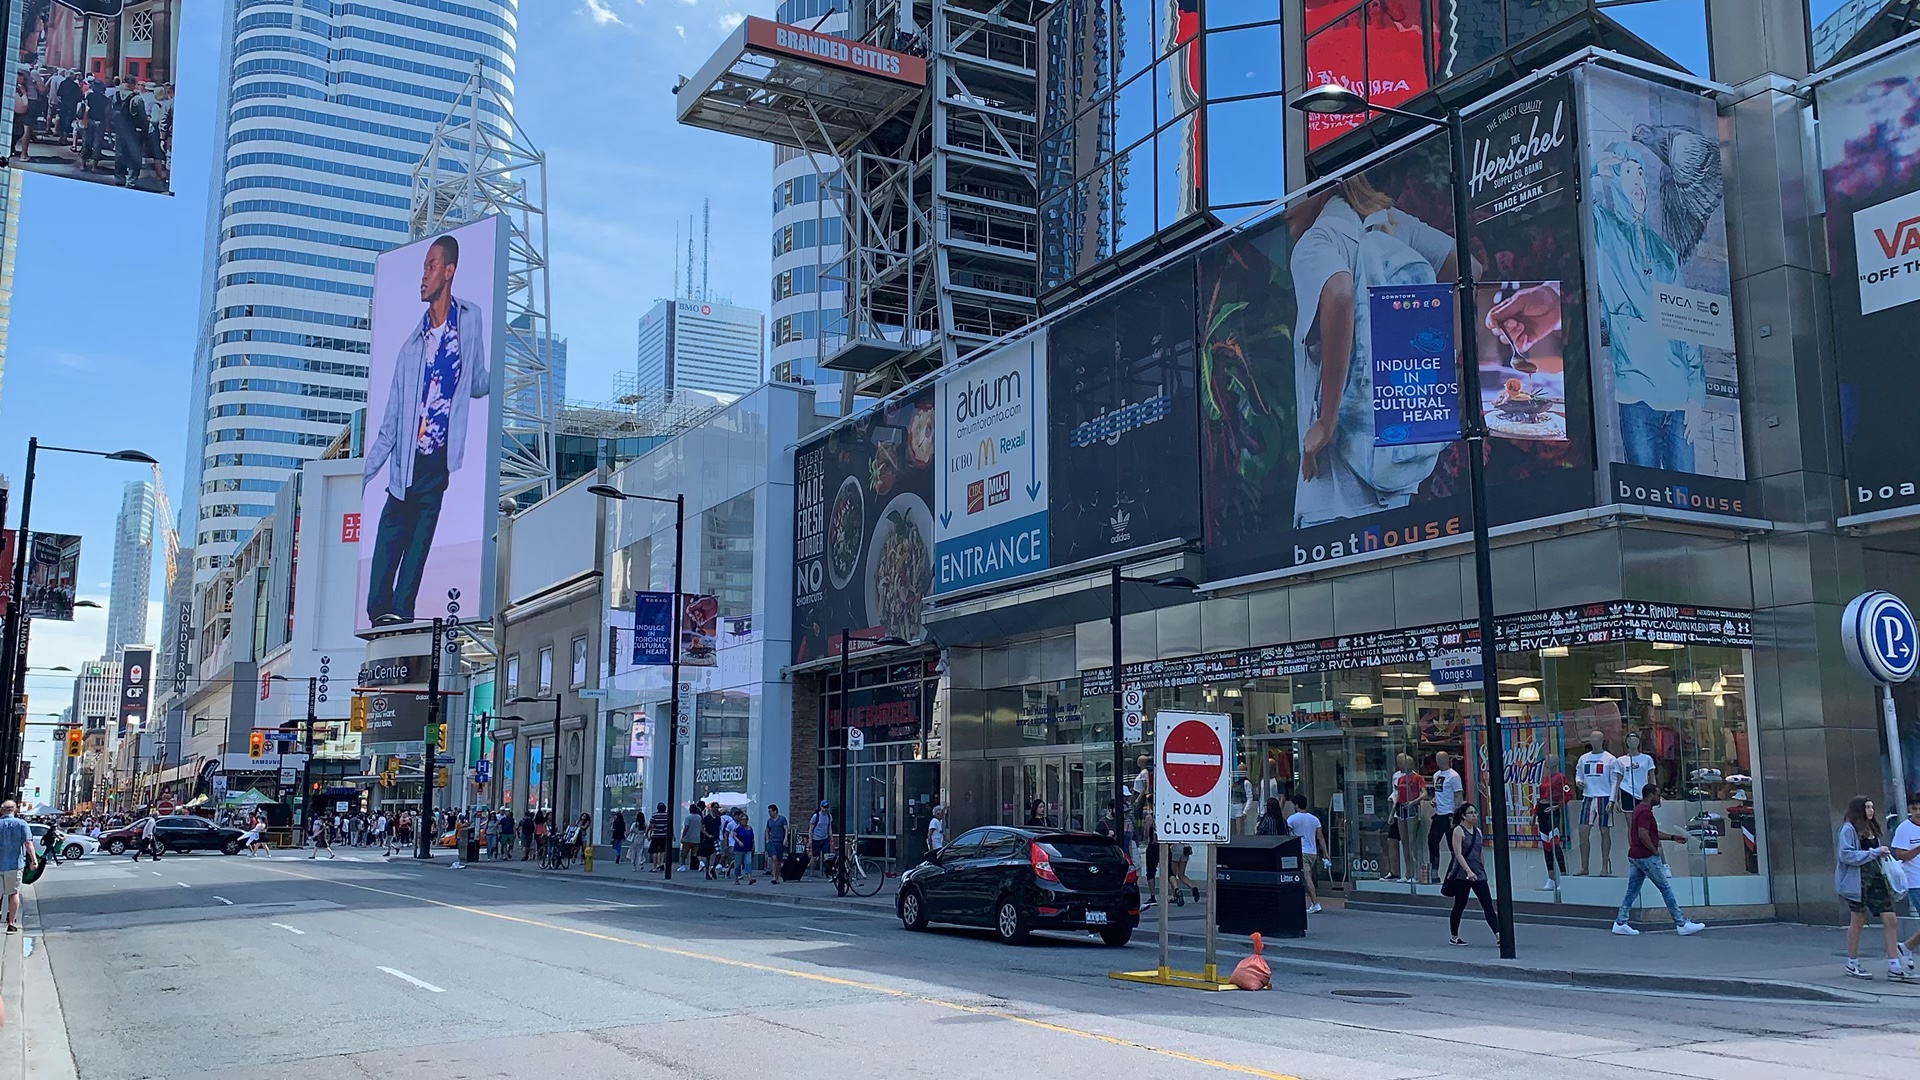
(1384, 259)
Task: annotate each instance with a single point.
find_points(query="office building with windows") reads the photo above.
(702, 345)
(324, 112)
(132, 567)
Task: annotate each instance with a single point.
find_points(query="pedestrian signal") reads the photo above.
(256, 744)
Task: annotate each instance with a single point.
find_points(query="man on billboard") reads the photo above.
(423, 434)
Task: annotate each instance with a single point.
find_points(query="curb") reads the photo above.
(1702, 985)
(46, 1053)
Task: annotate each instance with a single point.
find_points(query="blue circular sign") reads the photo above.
(1880, 637)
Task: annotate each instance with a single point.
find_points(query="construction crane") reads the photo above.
(163, 518)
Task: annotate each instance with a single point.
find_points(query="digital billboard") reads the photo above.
(1663, 296)
(53, 566)
(863, 522)
(1296, 473)
(136, 686)
(97, 79)
(1122, 427)
(1870, 167)
(990, 484)
(431, 472)
(1378, 50)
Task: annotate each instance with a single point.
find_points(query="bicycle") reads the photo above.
(856, 875)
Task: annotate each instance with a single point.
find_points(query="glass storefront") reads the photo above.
(622, 776)
(1668, 714)
(894, 780)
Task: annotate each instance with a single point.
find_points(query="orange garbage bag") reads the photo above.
(1253, 973)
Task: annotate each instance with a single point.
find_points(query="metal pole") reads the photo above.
(11, 632)
(1475, 430)
(559, 769)
(1119, 744)
(1213, 933)
(306, 767)
(423, 849)
(673, 726)
(846, 754)
(1892, 719)
(1166, 896)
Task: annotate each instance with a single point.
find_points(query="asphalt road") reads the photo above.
(205, 966)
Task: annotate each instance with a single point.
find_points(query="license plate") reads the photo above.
(1096, 918)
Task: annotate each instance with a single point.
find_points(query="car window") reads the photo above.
(1083, 849)
(966, 846)
(1002, 845)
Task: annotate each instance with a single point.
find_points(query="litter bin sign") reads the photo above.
(1260, 887)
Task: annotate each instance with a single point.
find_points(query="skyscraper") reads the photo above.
(132, 568)
(327, 108)
(701, 345)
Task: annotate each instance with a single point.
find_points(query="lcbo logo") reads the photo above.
(1879, 634)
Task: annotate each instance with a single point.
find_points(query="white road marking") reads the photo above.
(183, 884)
(824, 930)
(404, 977)
(155, 873)
(287, 928)
(484, 885)
(617, 903)
(224, 900)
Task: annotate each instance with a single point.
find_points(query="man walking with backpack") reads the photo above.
(129, 132)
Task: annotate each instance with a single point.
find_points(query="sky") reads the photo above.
(107, 281)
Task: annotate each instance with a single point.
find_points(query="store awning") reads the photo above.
(795, 87)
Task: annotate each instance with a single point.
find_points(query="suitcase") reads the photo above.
(794, 866)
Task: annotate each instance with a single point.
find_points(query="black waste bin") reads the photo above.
(1259, 887)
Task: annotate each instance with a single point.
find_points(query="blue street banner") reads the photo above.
(1416, 379)
(652, 629)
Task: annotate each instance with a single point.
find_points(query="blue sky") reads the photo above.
(107, 282)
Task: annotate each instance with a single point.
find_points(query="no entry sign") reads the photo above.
(1191, 762)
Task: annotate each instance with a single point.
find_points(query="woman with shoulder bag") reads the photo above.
(1468, 874)
(1859, 881)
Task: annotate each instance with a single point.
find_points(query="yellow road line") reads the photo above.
(812, 976)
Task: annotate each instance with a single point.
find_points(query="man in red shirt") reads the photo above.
(1645, 864)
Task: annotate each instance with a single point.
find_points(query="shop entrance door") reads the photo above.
(1066, 791)
(1313, 765)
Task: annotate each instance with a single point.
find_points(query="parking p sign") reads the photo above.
(1190, 777)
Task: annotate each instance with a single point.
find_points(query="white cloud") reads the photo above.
(731, 19)
(600, 13)
(682, 31)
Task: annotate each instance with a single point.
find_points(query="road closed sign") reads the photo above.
(1190, 802)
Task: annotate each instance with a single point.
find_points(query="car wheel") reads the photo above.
(72, 851)
(913, 910)
(1117, 936)
(116, 847)
(160, 847)
(232, 847)
(1010, 922)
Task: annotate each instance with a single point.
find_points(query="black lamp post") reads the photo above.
(846, 750)
(679, 502)
(306, 767)
(1119, 736)
(1336, 100)
(13, 673)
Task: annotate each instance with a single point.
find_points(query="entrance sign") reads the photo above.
(1190, 778)
(990, 487)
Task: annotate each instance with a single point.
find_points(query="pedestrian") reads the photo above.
(1906, 849)
(659, 838)
(254, 842)
(618, 835)
(719, 842)
(690, 838)
(1645, 863)
(579, 837)
(490, 834)
(317, 830)
(149, 843)
(98, 107)
(937, 831)
(526, 835)
(69, 96)
(1858, 880)
(1178, 857)
(743, 849)
(1313, 841)
(462, 828)
(16, 854)
(820, 835)
(1447, 790)
(540, 834)
(1273, 820)
(1037, 815)
(1468, 874)
(776, 841)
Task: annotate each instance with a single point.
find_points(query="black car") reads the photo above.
(176, 832)
(1017, 880)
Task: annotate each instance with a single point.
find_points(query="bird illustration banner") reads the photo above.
(1666, 381)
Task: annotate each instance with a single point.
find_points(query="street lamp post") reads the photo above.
(846, 747)
(13, 673)
(1334, 99)
(306, 767)
(608, 491)
(1119, 737)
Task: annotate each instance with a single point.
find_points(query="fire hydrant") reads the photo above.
(586, 857)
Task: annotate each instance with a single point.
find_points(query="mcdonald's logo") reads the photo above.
(984, 457)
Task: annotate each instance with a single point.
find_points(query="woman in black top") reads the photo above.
(709, 837)
(1468, 874)
(1037, 814)
(618, 834)
(1273, 820)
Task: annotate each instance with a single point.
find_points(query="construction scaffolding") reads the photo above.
(479, 164)
(637, 412)
(928, 110)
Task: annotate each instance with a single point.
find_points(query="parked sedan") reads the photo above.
(1018, 880)
(176, 832)
(73, 845)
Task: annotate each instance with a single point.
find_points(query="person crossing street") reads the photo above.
(317, 832)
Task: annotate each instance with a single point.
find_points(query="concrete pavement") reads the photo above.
(230, 967)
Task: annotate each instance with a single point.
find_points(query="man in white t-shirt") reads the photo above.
(1313, 841)
(1906, 848)
(1447, 792)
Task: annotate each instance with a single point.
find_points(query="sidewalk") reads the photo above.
(1779, 961)
(33, 1031)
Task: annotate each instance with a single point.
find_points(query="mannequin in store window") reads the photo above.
(1632, 771)
(1595, 774)
(1403, 800)
(1448, 795)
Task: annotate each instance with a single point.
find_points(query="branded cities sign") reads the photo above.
(990, 496)
(1190, 801)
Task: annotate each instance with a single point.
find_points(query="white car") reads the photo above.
(73, 845)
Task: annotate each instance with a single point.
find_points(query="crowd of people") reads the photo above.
(123, 124)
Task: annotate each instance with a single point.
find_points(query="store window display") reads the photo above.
(1597, 784)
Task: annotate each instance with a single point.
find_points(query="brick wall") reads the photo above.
(805, 752)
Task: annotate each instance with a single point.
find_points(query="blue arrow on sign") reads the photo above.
(1033, 419)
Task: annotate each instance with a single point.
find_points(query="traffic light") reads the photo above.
(440, 739)
(75, 740)
(256, 744)
(440, 777)
(357, 714)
